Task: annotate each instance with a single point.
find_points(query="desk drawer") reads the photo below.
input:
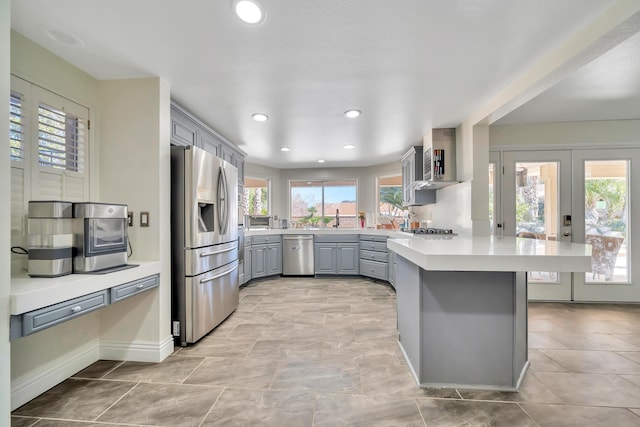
(373, 246)
(374, 269)
(126, 290)
(374, 256)
(43, 318)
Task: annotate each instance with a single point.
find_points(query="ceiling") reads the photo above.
(409, 65)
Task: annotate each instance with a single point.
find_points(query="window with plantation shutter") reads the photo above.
(60, 139)
(16, 134)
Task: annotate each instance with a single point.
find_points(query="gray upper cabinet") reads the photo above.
(186, 129)
(226, 153)
(208, 142)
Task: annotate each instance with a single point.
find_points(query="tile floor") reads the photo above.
(323, 352)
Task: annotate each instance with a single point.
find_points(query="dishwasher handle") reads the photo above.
(300, 237)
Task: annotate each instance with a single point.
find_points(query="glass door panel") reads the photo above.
(605, 198)
(536, 195)
(606, 191)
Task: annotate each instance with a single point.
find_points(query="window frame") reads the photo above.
(322, 213)
(268, 187)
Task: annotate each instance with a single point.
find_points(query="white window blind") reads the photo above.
(61, 139)
(16, 134)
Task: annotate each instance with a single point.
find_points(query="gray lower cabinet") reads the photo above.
(46, 317)
(266, 255)
(374, 256)
(392, 268)
(336, 254)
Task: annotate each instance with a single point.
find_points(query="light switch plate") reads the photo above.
(144, 219)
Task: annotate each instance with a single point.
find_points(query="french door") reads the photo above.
(607, 195)
(580, 196)
(536, 193)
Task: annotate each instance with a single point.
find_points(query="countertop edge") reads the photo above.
(29, 293)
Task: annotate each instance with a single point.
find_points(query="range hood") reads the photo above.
(439, 160)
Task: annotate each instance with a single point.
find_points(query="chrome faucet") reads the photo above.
(337, 222)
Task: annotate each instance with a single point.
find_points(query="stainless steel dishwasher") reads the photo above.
(297, 255)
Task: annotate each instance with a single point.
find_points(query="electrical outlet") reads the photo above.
(175, 328)
(130, 218)
(144, 219)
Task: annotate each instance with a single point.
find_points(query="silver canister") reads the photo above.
(50, 239)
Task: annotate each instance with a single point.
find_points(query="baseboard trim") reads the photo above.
(55, 372)
(136, 351)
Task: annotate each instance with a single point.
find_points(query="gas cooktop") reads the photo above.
(430, 231)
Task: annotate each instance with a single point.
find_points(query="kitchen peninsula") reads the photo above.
(462, 305)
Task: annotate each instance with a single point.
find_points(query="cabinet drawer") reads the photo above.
(373, 238)
(336, 238)
(374, 256)
(373, 269)
(130, 289)
(247, 241)
(43, 318)
(261, 240)
(373, 246)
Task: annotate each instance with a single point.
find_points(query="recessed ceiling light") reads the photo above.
(352, 114)
(249, 11)
(285, 149)
(348, 147)
(320, 161)
(260, 117)
(63, 38)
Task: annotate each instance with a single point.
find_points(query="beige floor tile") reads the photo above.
(248, 373)
(636, 380)
(539, 362)
(262, 408)
(592, 342)
(318, 376)
(591, 389)
(450, 413)
(22, 421)
(98, 369)
(76, 399)
(366, 411)
(580, 416)
(542, 340)
(175, 405)
(174, 369)
(397, 380)
(531, 390)
(596, 362)
(220, 347)
(69, 423)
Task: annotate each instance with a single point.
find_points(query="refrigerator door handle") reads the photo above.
(217, 276)
(223, 207)
(206, 254)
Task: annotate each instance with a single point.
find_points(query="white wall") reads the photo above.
(621, 133)
(5, 224)
(132, 117)
(36, 360)
(135, 170)
(366, 177)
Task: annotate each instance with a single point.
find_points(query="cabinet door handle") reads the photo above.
(140, 286)
(76, 309)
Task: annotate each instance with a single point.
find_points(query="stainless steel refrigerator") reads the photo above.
(204, 233)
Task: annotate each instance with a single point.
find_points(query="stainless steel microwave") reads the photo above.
(260, 221)
(100, 236)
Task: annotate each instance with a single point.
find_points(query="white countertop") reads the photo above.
(31, 293)
(328, 230)
(457, 253)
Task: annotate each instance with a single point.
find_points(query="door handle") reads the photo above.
(566, 234)
(217, 276)
(206, 254)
